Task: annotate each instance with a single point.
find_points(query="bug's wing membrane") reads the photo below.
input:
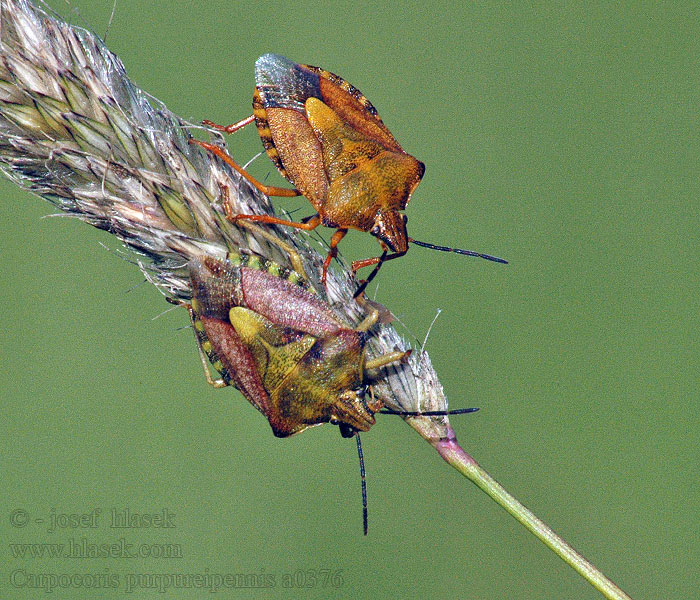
(285, 84)
(282, 87)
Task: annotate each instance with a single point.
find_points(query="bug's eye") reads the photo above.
(375, 230)
(346, 431)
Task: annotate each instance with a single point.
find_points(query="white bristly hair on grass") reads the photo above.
(75, 131)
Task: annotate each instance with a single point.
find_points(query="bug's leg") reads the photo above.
(230, 128)
(386, 359)
(379, 261)
(374, 404)
(359, 264)
(333, 252)
(217, 383)
(312, 223)
(294, 257)
(369, 320)
(268, 190)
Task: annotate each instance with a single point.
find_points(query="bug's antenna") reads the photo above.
(458, 251)
(364, 482)
(427, 413)
(383, 258)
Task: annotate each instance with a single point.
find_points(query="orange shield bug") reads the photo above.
(327, 139)
(268, 334)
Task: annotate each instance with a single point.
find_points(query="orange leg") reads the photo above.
(230, 128)
(312, 223)
(308, 226)
(379, 261)
(335, 240)
(359, 264)
(268, 190)
(232, 217)
(294, 257)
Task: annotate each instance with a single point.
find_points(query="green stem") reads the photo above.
(452, 452)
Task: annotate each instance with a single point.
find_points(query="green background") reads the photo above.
(563, 137)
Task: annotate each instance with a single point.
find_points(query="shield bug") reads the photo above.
(282, 346)
(267, 333)
(328, 140)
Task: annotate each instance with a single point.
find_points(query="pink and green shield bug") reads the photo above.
(269, 335)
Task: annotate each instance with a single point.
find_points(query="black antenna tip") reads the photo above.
(361, 456)
(459, 251)
(462, 411)
(427, 413)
